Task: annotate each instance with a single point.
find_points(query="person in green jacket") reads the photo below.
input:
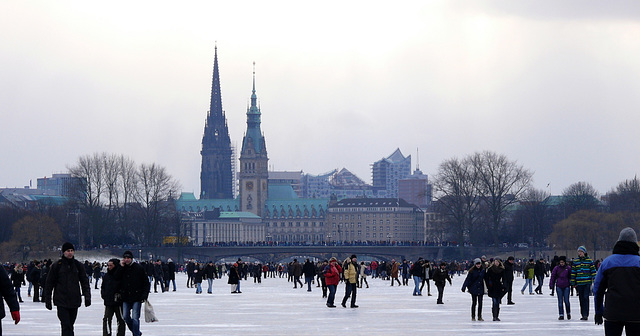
(528, 275)
(583, 272)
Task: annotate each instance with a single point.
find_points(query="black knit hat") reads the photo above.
(127, 254)
(67, 246)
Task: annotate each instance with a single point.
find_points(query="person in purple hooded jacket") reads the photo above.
(561, 278)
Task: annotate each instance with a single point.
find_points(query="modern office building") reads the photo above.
(416, 189)
(388, 171)
(59, 184)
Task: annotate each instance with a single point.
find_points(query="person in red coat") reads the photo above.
(332, 278)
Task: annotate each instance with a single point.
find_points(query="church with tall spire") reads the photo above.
(217, 172)
(254, 172)
(261, 203)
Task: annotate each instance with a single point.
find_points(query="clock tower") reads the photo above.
(254, 172)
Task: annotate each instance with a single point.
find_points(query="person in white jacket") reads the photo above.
(363, 275)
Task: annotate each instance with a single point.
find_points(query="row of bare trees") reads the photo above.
(119, 201)
(485, 198)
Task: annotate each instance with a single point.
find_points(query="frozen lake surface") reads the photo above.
(275, 308)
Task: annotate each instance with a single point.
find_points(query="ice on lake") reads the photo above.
(275, 308)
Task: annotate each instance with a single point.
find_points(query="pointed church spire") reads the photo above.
(216, 96)
(254, 98)
(216, 174)
(254, 134)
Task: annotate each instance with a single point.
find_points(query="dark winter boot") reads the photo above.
(496, 312)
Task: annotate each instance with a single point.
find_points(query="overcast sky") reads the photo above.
(554, 85)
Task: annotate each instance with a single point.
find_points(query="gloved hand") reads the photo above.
(87, 301)
(15, 315)
(599, 319)
(462, 289)
(48, 305)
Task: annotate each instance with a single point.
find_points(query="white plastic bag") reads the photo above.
(149, 314)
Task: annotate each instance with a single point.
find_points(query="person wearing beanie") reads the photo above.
(134, 290)
(616, 288)
(332, 273)
(440, 276)
(66, 280)
(67, 246)
(583, 271)
(234, 278)
(112, 300)
(474, 282)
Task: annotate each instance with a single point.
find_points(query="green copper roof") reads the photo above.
(188, 202)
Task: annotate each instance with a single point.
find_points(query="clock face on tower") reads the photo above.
(249, 185)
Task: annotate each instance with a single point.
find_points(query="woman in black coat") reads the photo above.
(494, 278)
(17, 278)
(234, 278)
(474, 282)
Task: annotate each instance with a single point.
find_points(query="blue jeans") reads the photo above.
(308, 280)
(495, 302)
(198, 287)
(238, 287)
(583, 295)
(210, 280)
(528, 282)
(332, 294)
(417, 281)
(563, 299)
(131, 315)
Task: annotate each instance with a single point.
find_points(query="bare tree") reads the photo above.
(532, 219)
(156, 188)
(626, 196)
(128, 179)
(501, 183)
(90, 171)
(456, 197)
(580, 196)
(121, 202)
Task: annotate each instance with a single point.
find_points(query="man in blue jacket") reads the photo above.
(617, 289)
